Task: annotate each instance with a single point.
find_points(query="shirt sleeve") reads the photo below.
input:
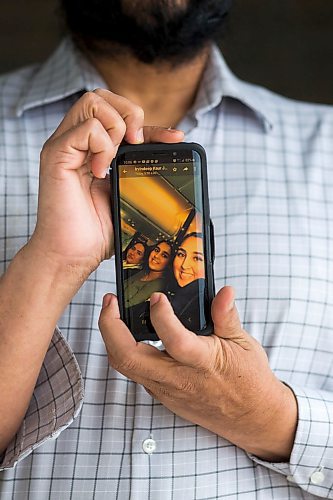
(311, 460)
(55, 403)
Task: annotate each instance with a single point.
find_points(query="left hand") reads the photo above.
(221, 382)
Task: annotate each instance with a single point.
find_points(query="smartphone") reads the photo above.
(164, 238)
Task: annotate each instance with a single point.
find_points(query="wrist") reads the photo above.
(33, 295)
(57, 281)
(68, 269)
(275, 425)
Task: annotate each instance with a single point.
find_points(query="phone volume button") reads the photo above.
(212, 241)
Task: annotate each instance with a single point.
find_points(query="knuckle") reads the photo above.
(137, 112)
(185, 385)
(93, 123)
(90, 102)
(182, 347)
(101, 322)
(163, 392)
(90, 98)
(125, 365)
(45, 151)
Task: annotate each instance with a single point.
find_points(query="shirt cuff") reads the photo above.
(311, 460)
(55, 403)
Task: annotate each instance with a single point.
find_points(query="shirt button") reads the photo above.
(291, 479)
(149, 446)
(317, 477)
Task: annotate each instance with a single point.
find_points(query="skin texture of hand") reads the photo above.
(221, 382)
(73, 223)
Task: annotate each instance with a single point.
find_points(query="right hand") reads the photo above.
(74, 217)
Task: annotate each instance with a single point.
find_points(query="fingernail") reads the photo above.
(139, 136)
(106, 301)
(174, 130)
(154, 298)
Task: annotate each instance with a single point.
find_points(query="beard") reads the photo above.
(153, 31)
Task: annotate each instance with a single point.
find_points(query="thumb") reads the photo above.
(181, 344)
(225, 316)
(117, 337)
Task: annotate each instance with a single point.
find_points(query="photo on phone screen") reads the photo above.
(162, 231)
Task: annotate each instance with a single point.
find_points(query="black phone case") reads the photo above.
(207, 225)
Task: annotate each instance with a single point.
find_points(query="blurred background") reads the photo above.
(285, 45)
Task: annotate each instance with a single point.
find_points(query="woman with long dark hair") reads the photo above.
(186, 287)
(134, 255)
(138, 288)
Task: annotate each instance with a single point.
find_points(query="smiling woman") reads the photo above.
(139, 287)
(186, 285)
(188, 264)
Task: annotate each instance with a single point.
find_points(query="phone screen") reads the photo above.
(163, 235)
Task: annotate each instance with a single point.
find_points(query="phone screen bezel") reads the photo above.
(206, 224)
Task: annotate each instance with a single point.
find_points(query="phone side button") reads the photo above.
(212, 240)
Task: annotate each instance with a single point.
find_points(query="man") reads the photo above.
(209, 417)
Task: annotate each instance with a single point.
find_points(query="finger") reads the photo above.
(132, 115)
(100, 192)
(70, 150)
(183, 345)
(225, 315)
(117, 337)
(138, 361)
(160, 134)
(92, 105)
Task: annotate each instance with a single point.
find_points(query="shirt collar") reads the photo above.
(67, 72)
(219, 82)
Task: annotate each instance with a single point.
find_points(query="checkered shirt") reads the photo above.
(270, 166)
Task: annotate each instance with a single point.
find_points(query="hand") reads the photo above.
(221, 382)
(74, 220)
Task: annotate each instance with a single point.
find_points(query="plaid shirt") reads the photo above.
(271, 194)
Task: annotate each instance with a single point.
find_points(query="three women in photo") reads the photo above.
(179, 273)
